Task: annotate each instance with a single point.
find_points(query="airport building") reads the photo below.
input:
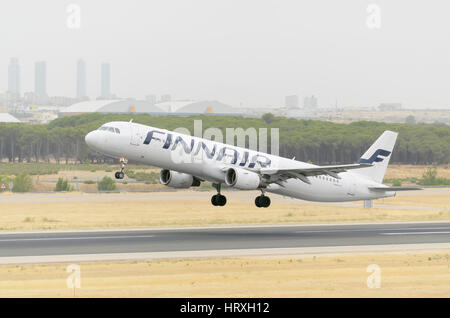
(8, 118)
(189, 107)
(179, 108)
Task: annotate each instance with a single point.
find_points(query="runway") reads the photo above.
(94, 245)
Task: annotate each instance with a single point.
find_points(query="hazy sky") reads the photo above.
(237, 51)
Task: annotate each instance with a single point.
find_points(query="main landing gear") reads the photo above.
(120, 174)
(262, 201)
(218, 199)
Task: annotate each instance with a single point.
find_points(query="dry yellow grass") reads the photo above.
(45, 183)
(414, 171)
(402, 275)
(393, 171)
(81, 211)
(432, 200)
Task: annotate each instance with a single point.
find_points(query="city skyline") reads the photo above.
(193, 51)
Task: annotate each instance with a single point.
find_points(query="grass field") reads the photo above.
(45, 175)
(185, 208)
(414, 171)
(402, 275)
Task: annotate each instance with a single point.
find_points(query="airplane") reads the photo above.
(187, 161)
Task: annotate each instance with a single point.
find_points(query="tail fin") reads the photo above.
(378, 155)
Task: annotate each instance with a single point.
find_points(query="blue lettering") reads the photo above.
(185, 146)
(168, 141)
(150, 136)
(263, 164)
(223, 154)
(244, 159)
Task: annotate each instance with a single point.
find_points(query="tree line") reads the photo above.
(321, 142)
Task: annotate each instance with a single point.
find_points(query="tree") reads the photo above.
(268, 118)
(429, 176)
(22, 183)
(63, 185)
(410, 120)
(106, 184)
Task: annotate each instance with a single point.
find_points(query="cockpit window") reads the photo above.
(111, 129)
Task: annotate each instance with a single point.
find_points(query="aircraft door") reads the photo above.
(137, 136)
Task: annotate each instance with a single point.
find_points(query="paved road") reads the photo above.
(232, 238)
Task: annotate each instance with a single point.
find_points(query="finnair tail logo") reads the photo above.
(376, 156)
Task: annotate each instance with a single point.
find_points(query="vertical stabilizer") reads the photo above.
(378, 155)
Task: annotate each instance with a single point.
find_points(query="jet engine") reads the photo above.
(242, 179)
(177, 179)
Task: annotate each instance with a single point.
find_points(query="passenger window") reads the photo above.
(117, 130)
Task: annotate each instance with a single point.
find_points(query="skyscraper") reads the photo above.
(106, 80)
(81, 79)
(40, 79)
(310, 102)
(291, 101)
(14, 76)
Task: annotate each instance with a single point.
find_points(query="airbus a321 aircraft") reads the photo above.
(187, 161)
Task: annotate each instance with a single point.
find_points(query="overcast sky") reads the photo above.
(237, 51)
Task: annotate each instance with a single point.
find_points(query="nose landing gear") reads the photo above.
(218, 199)
(120, 174)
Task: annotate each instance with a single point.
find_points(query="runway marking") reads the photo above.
(75, 238)
(370, 230)
(415, 233)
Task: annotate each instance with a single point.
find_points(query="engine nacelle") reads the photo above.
(242, 179)
(177, 179)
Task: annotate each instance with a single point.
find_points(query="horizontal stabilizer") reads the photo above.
(385, 189)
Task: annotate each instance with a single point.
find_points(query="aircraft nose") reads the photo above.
(90, 139)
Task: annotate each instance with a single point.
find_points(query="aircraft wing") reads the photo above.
(304, 173)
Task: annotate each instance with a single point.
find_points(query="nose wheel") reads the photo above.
(120, 174)
(218, 199)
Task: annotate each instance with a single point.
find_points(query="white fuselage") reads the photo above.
(195, 156)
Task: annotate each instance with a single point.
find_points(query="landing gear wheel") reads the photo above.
(222, 200)
(119, 175)
(218, 200)
(262, 201)
(214, 200)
